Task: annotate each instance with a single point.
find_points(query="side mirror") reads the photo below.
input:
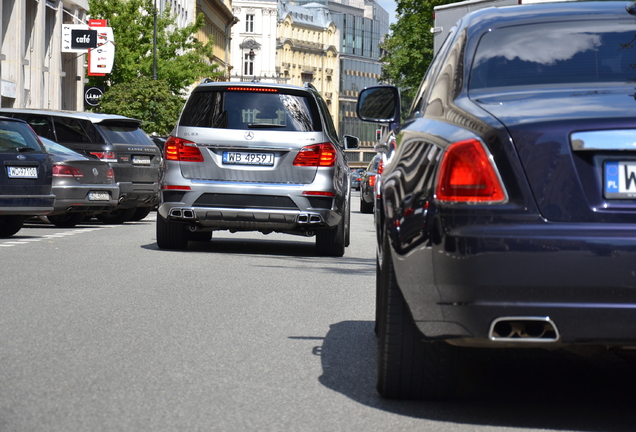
(351, 142)
(379, 104)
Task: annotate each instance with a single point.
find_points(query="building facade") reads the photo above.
(307, 50)
(34, 72)
(253, 46)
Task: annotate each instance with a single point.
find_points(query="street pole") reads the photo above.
(154, 45)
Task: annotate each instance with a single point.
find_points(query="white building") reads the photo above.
(253, 43)
(34, 72)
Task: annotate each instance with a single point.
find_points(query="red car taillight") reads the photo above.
(107, 156)
(178, 149)
(110, 174)
(67, 171)
(371, 181)
(468, 175)
(318, 155)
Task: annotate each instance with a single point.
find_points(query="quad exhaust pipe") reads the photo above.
(523, 329)
(182, 213)
(309, 218)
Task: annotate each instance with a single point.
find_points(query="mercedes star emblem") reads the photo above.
(249, 135)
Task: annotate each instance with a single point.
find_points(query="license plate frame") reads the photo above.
(248, 158)
(619, 179)
(141, 160)
(98, 196)
(24, 172)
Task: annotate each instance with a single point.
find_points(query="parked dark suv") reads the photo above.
(114, 139)
(25, 180)
(255, 157)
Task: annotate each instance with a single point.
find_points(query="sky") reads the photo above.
(389, 6)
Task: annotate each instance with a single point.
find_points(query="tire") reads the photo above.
(365, 207)
(66, 220)
(9, 225)
(171, 235)
(201, 236)
(118, 216)
(408, 367)
(140, 213)
(331, 241)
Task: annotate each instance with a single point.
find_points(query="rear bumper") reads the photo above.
(28, 205)
(138, 194)
(76, 198)
(580, 277)
(250, 208)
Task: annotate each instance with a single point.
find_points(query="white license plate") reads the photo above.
(248, 158)
(620, 180)
(22, 172)
(98, 196)
(141, 160)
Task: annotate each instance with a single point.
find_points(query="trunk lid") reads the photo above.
(570, 142)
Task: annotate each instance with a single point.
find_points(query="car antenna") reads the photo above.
(631, 9)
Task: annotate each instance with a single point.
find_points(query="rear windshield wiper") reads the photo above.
(265, 126)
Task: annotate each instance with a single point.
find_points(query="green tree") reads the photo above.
(409, 45)
(182, 60)
(145, 99)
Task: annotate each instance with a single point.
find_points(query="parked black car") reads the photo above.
(114, 139)
(508, 208)
(368, 184)
(25, 181)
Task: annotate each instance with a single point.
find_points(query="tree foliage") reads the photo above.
(409, 45)
(182, 60)
(145, 99)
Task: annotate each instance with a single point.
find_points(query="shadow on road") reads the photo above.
(506, 388)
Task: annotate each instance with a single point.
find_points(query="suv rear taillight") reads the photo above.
(107, 156)
(110, 174)
(178, 149)
(318, 155)
(468, 175)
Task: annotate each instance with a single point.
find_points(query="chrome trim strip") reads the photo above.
(618, 139)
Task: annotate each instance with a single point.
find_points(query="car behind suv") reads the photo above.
(25, 180)
(114, 139)
(255, 157)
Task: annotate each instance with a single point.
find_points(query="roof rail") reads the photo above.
(309, 85)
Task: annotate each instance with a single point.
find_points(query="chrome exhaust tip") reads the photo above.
(523, 329)
(182, 213)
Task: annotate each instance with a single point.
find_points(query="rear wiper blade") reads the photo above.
(264, 126)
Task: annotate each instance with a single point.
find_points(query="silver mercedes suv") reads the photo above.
(255, 157)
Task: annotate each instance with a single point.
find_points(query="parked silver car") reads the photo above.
(255, 157)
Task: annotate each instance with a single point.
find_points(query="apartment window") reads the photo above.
(249, 23)
(248, 65)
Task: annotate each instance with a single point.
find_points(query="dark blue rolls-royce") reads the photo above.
(507, 210)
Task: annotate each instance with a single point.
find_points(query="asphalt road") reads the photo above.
(102, 331)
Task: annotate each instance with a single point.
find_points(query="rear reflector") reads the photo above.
(178, 149)
(468, 175)
(318, 193)
(174, 187)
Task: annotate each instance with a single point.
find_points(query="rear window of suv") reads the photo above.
(556, 53)
(251, 109)
(124, 133)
